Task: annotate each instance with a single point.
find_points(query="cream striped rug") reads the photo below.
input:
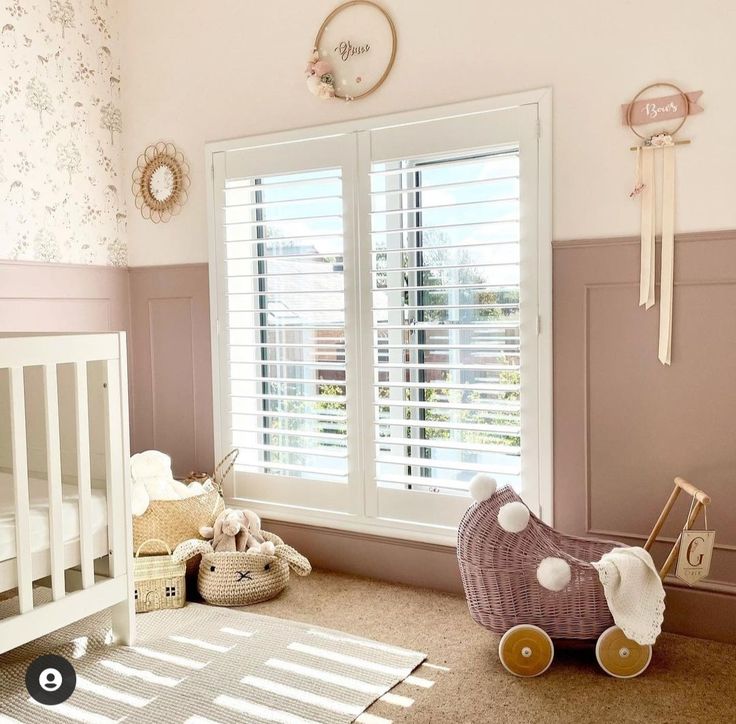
(208, 665)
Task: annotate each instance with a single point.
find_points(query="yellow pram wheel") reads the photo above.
(526, 650)
(619, 656)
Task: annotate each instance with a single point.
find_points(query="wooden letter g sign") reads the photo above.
(696, 550)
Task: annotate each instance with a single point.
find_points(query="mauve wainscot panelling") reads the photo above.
(625, 425)
(51, 297)
(169, 308)
(40, 297)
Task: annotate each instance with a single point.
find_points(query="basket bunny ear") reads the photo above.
(297, 562)
(189, 548)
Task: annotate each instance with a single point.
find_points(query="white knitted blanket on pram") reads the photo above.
(634, 592)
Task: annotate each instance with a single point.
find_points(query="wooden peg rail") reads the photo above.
(644, 145)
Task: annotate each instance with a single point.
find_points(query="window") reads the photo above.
(286, 317)
(445, 300)
(376, 314)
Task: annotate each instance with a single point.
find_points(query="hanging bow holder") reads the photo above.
(655, 185)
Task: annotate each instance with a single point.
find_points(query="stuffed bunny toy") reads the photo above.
(237, 530)
(239, 578)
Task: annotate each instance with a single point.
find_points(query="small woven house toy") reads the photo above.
(159, 580)
(531, 583)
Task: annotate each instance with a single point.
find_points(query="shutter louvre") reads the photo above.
(286, 323)
(445, 250)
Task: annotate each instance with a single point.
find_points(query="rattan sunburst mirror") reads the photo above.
(161, 182)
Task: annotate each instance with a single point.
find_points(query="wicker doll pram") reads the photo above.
(499, 574)
(500, 580)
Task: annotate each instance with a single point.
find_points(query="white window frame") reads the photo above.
(361, 499)
(282, 490)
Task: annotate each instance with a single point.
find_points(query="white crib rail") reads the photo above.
(123, 615)
(84, 476)
(116, 590)
(20, 490)
(53, 475)
(113, 456)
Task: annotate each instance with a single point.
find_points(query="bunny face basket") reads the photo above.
(240, 579)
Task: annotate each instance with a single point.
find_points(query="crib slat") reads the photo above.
(53, 474)
(115, 471)
(123, 614)
(20, 486)
(84, 478)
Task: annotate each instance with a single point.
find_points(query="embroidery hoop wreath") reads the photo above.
(648, 139)
(389, 65)
(154, 157)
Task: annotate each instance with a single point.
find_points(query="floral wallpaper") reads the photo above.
(61, 192)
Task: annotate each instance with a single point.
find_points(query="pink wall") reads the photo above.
(165, 311)
(38, 297)
(41, 297)
(170, 343)
(593, 55)
(624, 425)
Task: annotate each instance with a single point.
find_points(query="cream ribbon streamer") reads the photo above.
(666, 281)
(646, 182)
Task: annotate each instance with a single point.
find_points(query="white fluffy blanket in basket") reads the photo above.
(152, 479)
(633, 591)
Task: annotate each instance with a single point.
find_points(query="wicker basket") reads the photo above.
(172, 521)
(159, 582)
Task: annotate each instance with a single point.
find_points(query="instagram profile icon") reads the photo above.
(50, 679)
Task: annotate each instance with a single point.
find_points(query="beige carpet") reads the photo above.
(689, 680)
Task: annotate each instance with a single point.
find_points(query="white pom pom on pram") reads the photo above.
(513, 517)
(554, 573)
(482, 487)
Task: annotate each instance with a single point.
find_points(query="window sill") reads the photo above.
(370, 527)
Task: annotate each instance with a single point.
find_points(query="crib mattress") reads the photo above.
(38, 494)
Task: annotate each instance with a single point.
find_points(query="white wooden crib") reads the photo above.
(64, 482)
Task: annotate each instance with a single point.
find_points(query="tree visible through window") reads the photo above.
(294, 331)
(446, 242)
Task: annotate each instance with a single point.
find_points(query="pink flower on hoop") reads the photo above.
(321, 67)
(320, 80)
(309, 70)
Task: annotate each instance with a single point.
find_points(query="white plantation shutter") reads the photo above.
(446, 321)
(376, 312)
(284, 256)
(448, 348)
